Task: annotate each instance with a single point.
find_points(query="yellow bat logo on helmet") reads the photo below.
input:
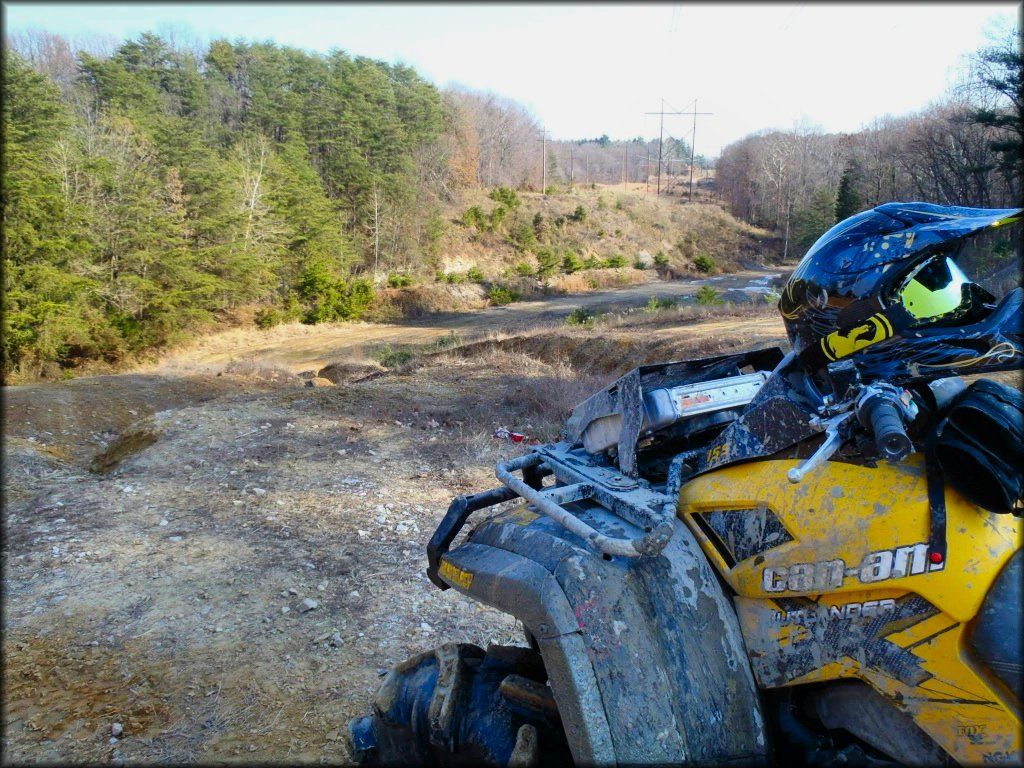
(842, 343)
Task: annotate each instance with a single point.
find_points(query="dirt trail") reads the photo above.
(298, 347)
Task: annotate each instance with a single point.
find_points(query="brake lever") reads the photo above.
(833, 440)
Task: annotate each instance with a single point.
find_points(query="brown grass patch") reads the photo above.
(599, 279)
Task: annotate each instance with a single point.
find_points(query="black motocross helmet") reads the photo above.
(883, 289)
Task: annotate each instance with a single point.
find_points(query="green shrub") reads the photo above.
(581, 316)
(522, 236)
(601, 204)
(708, 296)
(551, 189)
(600, 234)
(660, 259)
(268, 317)
(497, 217)
(525, 269)
(639, 263)
(505, 196)
(435, 229)
(450, 277)
(500, 295)
(655, 304)
(540, 225)
(619, 204)
(548, 261)
(399, 280)
(571, 262)
(704, 263)
(475, 217)
(329, 297)
(390, 357)
(474, 275)
(592, 262)
(618, 233)
(579, 215)
(293, 309)
(615, 261)
(772, 298)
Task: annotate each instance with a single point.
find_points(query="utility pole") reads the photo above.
(572, 177)
(693, 145)
(661, 135)
(625, 164)
(647, 171)
(544, 163)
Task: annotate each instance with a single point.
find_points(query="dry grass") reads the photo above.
(427, 298)
(599, 279)
(619, 341)
(618, 223)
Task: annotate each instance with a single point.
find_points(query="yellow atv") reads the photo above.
(751, 558)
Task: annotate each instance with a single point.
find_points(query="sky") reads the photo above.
(586, 70)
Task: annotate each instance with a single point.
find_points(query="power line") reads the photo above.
(661, 136)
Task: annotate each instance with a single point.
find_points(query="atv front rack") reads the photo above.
(580, 478)
(549, 501)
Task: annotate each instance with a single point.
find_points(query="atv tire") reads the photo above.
(457, 705)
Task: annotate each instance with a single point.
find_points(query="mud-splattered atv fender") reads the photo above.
(644, 655)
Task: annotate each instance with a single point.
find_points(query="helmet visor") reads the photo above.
(936, 291)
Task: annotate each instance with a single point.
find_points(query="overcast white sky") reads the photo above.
(585, 70)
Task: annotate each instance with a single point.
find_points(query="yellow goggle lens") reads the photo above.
(934, 290)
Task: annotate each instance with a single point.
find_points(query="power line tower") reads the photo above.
(661, 135)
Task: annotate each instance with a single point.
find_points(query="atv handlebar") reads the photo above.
(882, 409)
(881, 412)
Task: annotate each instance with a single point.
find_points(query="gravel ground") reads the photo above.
(222, 567)
(236, 584)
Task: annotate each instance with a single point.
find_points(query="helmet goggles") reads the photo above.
(937, 290)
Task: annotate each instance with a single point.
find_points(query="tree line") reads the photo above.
(151, 191)
(510, 149)
(154, 186)
(966, 149)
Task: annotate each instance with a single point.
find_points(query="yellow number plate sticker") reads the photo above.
(455, 576)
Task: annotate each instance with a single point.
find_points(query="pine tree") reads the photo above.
(848, 201)
(47, 317)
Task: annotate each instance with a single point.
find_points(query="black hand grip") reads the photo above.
(885, 420)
